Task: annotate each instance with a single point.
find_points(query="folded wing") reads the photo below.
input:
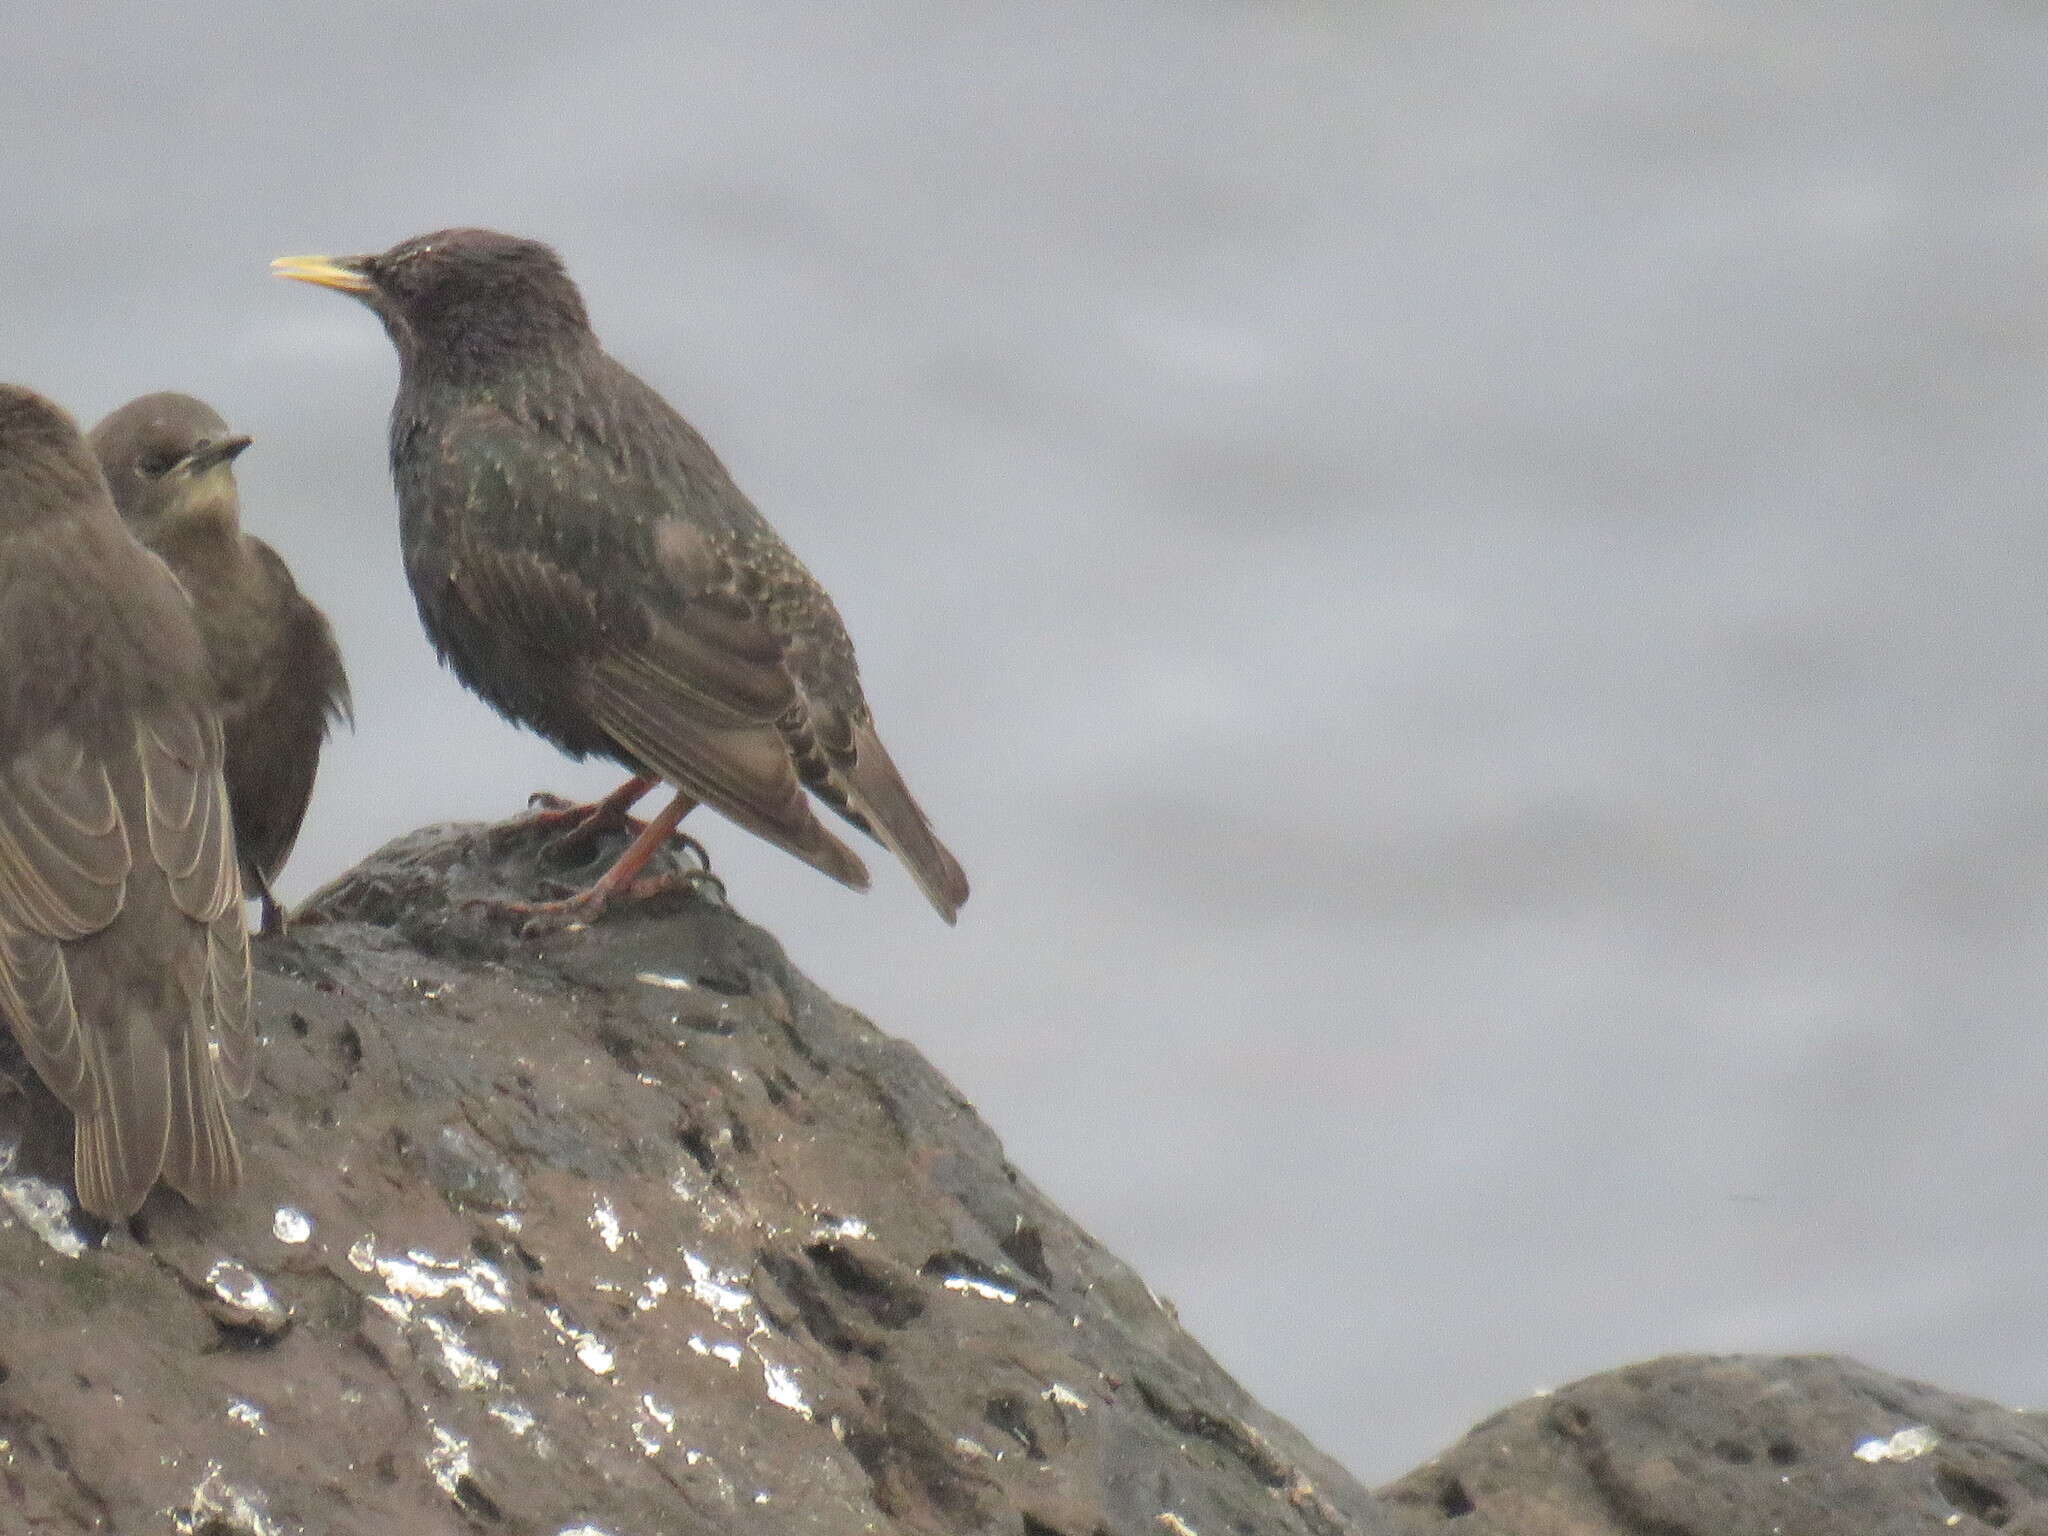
(124, 969)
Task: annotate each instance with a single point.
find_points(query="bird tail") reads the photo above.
(875, 791)
(122, 1136)
(202, 1160)
(156, 1104)
(741, 771)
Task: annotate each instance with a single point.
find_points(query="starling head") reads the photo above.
(44, 466)
(459, 296)
(168, 460)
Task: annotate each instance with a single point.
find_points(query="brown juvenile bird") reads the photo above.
(124, 967)
(585, 564)
(169, 460)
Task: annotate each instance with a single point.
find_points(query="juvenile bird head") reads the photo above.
(168, 460)
(458, 297)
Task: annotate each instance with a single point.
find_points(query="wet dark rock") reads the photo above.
(1812, 1445)
(634, 1232)
(468, 1172)
(629, 1230)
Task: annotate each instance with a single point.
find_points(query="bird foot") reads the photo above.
(572, 914)
(273, 921)
(582, 824)
(578, 911)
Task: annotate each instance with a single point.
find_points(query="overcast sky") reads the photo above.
(1466, 581)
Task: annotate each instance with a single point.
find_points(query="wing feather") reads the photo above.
(273, 751)
(186, 809)
(227, 1013)
(64, 855)
(875, 790)
(201, 1160)
(35, 996)
(688, 665)
(117, 870)
(742, 771)
(121, 1141)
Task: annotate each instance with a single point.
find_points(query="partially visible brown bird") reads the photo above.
(124, 967)
(169, 460)
(584, 562)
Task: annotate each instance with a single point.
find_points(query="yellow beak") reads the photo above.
(344, 273)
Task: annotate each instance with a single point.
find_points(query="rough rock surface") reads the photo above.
(626, 1231)
(1744, 1445)
(633, 1232)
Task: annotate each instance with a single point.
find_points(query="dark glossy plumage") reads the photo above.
(124, 967)
(169, 460)
(585, 564)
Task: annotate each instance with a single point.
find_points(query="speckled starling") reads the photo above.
(124, 967)
(584, 562)
(169, 460)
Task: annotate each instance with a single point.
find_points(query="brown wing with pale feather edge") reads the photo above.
(124, 969)
(274, 747)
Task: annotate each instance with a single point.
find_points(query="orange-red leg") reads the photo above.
(579, 822)
(624, 877)
(626, 868)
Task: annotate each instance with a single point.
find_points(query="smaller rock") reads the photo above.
(242, 1301)
(1814, 1444)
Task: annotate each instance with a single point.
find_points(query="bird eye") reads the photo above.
(159, 464)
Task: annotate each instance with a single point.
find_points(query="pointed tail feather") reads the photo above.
(202, 1160)
(119, 1150)
(877, 792)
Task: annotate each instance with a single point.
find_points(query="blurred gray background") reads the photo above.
(1465, 579)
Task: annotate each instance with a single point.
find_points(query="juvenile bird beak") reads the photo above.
(222, 450)
(340, 272)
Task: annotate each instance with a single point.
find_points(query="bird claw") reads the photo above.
(579, 823)
(572, 914)
(542, 925)
(685, 881)
(697, 880)
(690, 845)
